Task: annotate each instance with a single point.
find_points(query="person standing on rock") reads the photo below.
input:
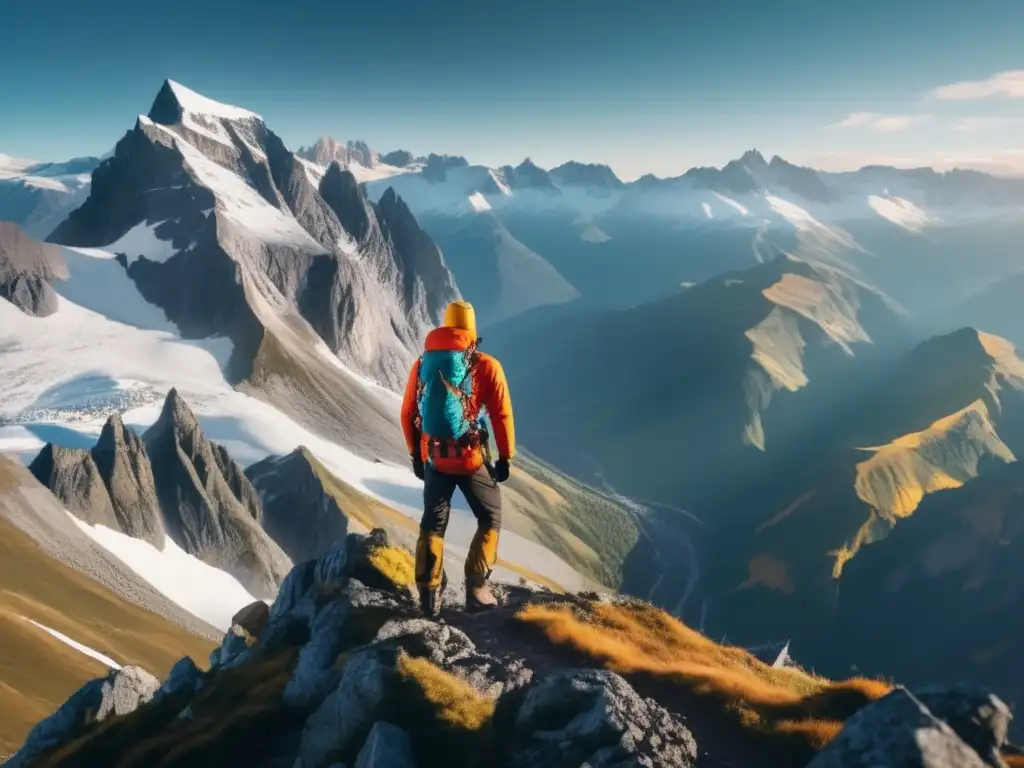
(454, 395)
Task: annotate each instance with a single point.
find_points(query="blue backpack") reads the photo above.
(444, 396)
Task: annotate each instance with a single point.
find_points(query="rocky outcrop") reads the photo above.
(119, 693)
(111, 484)
(74, 478)
(171, 481)
(26, 269)
(120, 456)
(936, 729)
(209, 506)
(302, 514)
(528, 175)
(386, 747)
(604, 722)
(344, 672)
(424, 275)
(327, 150)
(400, 158)
(586, 175)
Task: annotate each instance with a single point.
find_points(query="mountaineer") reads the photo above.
(453, 391)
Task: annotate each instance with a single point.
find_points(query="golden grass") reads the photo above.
(38, 671)
(1014, 761)
(395, 564)
(449, 722)
(455, 702)
(639, 639)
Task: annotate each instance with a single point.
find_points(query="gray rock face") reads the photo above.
(400, 158)
(899, 730)
(120, 693)
(232, 647)
(327, 150)
(74, 478)
(26, 269)
(424, 274)
(348, 711)
(184, 678)
(121, 459)
(586, 174)
(452, 650)
(299, 513)
(209, 506)
(978, 717)
(527, 175)
(124, 691)
(111, 485)
(176, 480)
(387, 746)
(595, 718)
(313, 676)
(235, 277)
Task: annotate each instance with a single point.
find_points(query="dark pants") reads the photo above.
(484, 498)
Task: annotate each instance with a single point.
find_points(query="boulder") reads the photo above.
(590, 717)
(235, 643)
(349, 711)
(119, 693)
(387, 746)
(897, 731)
(184, 679)
(252, 618)
(451, 649)
(978, 717)
(314, 676)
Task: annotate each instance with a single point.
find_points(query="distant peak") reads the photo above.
(753, 157)
(174, 101)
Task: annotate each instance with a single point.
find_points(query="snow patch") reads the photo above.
(204, 591)
(194, 102)
(707, 210)
(91, 653)
(378, 172)
(900, 212)
(479, 202)
(141, 240)
(242, 204)
(744, 211)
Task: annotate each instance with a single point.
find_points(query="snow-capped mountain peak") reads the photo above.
(195, 103)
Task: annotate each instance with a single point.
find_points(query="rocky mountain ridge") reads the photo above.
(27, 268)
(170, 482)
(340, 671)
(230, 234)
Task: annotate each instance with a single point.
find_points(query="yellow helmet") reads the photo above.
(460, 314)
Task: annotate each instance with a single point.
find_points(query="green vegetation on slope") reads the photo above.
(37, 671)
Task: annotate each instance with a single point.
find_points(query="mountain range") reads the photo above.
(781, 404)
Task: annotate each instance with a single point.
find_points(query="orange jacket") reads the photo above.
(490, 390)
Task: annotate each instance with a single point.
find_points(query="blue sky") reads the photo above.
(646, 85)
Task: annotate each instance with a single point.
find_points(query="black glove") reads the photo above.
(417, 465)
(501, 470)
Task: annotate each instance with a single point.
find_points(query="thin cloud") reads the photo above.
(1009, 85)
(883, 123)
(979, 124)
(1009, 162)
